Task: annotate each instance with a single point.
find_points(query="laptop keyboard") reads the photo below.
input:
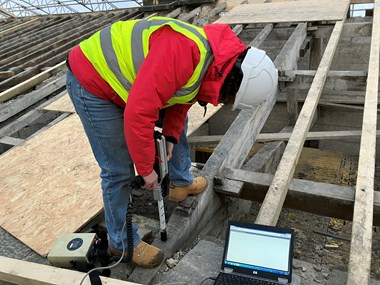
(231, 279)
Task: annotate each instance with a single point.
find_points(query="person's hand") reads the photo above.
(151, 181)
(169, 150)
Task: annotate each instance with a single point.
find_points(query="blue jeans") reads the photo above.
(104, 126)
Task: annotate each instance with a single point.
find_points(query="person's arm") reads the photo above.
(168, 66)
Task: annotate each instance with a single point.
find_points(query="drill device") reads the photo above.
(162, 189)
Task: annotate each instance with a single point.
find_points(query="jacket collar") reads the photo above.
(226, 48)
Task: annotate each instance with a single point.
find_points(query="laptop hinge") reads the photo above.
(283, 280)
(228, 270)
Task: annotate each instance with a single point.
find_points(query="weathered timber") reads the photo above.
(9, 110)
(15, 90)
(359, 268)
(21, 26)
(26, 273)
(175, 13)
(27, 118)
(267, 137)
(49, 44)
(205, 19)
(12, 38)
(188, 16)
(11, 141)
(350, 30)
(6, 74)
(314, 197)
(292, 106)
(19, 44)
(57, 57)
(271, 207)
(289, 54)
(59, 48)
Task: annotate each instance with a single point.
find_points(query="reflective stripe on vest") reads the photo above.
(108, 63)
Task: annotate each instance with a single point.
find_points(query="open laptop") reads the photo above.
(257, 254)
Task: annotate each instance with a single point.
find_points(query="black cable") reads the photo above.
(128, 220)
(211, 278)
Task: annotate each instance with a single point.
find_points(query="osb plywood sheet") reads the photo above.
(292, 11)
(196, 112)
(50, 185)
(62, 104)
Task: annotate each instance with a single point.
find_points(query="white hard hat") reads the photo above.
(260, 80)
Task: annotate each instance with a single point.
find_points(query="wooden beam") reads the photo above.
(292, 106)
(267, 137)
(6, 74)
(18, 27)
(21, 87)
(260, 38)
(271, 207)
(11, 141)
(9, 110)
(359, 270)
(289, 54)
(26, 273)
(187, 17)
(313, 197)
(205, 19)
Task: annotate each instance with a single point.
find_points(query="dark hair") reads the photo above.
(233, 80)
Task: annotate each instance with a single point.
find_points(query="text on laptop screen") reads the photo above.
(259, 250)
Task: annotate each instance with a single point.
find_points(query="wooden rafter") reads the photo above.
(361, 244)
(272, 205)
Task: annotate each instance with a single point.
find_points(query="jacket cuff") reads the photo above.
(171, 139)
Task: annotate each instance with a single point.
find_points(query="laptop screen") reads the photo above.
(259, 250)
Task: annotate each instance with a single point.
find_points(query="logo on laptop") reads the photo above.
(254, 272)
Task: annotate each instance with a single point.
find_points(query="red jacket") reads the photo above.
(169, 64)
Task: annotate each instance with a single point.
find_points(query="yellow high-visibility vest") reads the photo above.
(118, 51)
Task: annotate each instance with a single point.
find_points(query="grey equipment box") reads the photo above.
(72, 248)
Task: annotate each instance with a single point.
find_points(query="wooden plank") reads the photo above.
(12, 108)
(6, 74)
(271, 207)
(205, 19)
(260, 38)
(281, 12)
(188, 16)
(11, 141)
(64, 169)
(27, 273)
(18, 27)
(289, 54)
(267, 137)
(292, 106)
(324, 199)
(307, 75)
(21, 87)
(359, 270)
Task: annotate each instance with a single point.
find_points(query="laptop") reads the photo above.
(257, 254)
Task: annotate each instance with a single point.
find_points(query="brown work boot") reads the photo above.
(178, 194)
(144, 255)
